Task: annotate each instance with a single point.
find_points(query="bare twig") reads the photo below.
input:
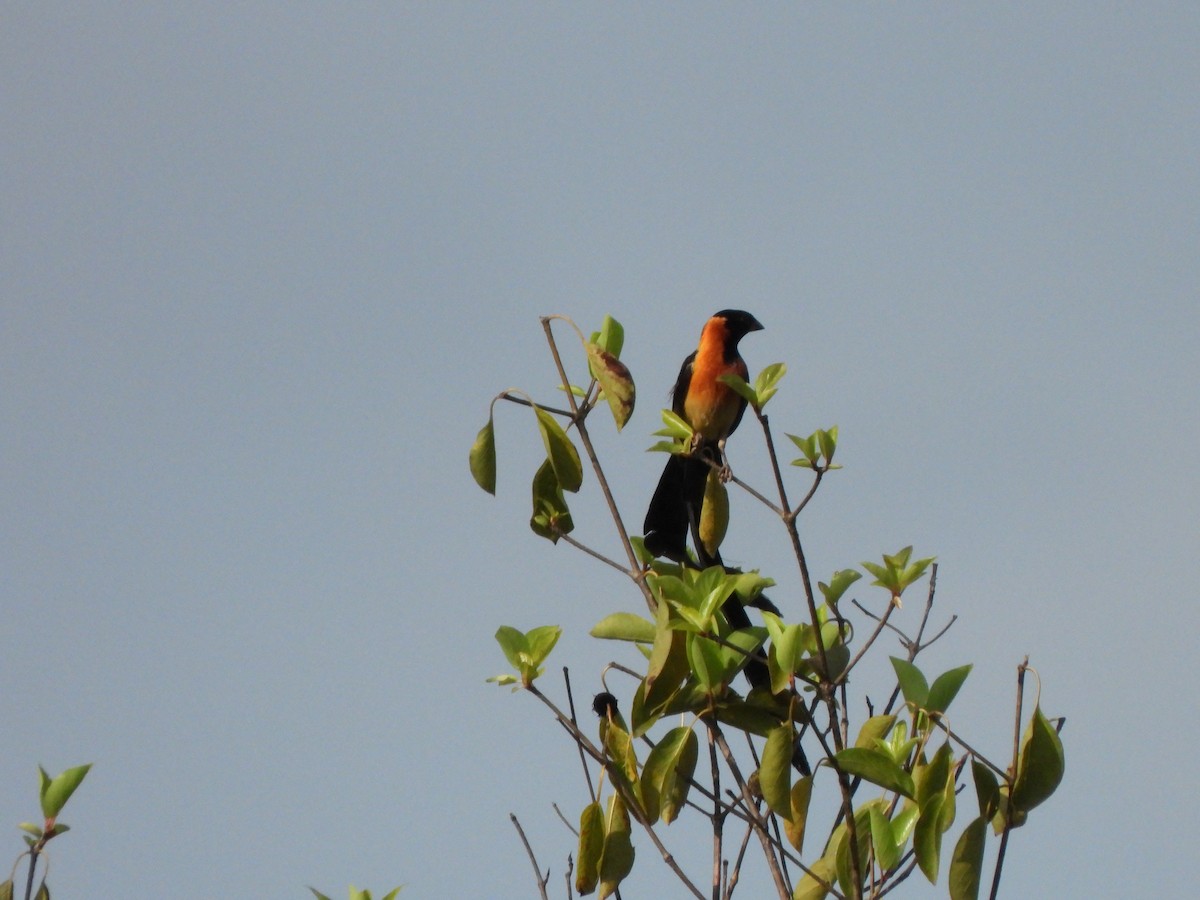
(756, 821)
(578, 416)
(537, 871)
(1012, 780)
(564, 820)
(523, 401)
(563, 536)
(574, 721)
(717, 817)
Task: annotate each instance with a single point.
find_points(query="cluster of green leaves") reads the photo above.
(694, 653)
(54, 792)
(562, 471)
(356, 894)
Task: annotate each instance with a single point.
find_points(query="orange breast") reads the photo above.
(711, 406)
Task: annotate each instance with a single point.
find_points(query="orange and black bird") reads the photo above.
(713, 409)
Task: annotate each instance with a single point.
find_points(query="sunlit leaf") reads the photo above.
(483, 458)
(617, 860)
(912, 682)
(60, 789)
(775, 772)
(623, 626)
(667, 775)
(816, 888)
(741, 388)
(560, 451)
(887, 852)
(1040, 764)
(945, 687)
(874, 729)
(877, 768)
(714, 514)
(541, 641)
(794, 826)
(591, 849)
(841, 580)
(767, 382)
(617, 383)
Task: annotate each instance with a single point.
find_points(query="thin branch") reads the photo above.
(975, 753)
(756, 821)
(631, 803)
(564, 819)
(718, 818)
(882, 623)
(553, 410)
(563, 536)
(578, 418)
(826, 689)
(820, 473)
(1012, 776)
(537, 871)
(574, 721)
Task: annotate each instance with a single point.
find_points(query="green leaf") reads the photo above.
(905, 822)
(620, 751)
(987, 789)
(316, 894)
(541, 641)
(616, 381)
(392, 894)
(591, 849)
(828, 443)
(624, 626)
(767, 382)
(787, 650)
(741, 388)
(714, 514)
(931, 779)
(862, 827)
(811, 888)
(707, 662)
(667, 775)
(927, 838)
(966, 863)
(43, 892)
(775, 773)
(56, 794)
(935, 794)
(1040, 764)
(887, 852)
(560, 451)
(877, 768)
(611, 336)
(808, 447)
(874, 729)
(945, 688)
(674, 426)
(617, 860)
(6, 890)
(514, 645)
(794, 826)
(551, 518)
(912, 682)
(841, 580)
(483, 458)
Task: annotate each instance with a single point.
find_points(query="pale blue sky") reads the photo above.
(262, 267)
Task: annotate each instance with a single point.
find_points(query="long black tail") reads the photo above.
(676, 501)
